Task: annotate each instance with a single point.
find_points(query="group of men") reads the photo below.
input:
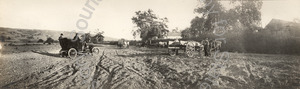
(77, 40)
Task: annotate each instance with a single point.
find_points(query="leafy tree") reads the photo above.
(49, 40)
(186, 33)
(197, 25)
(149, 25)
(247, 13)
(211, 11)
(40, 41)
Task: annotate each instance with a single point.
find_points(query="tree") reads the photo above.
(186, 33)
(197, 26)
(49, 40)
(40, 41)
(149, 26)
(211, 11)
(247, 13)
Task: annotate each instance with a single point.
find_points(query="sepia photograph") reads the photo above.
(150, 44)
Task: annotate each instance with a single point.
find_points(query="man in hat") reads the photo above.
(61, 36)
(59, 39)
(76, 38)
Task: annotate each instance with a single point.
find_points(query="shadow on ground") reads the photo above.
(46, 53)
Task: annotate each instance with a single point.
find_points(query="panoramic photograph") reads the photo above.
(150, 44)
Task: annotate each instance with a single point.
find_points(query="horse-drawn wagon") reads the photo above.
(71, 48)
(189, 47)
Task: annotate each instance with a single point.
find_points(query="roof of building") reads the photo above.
(277, 24)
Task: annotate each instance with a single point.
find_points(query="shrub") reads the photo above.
(40, 41)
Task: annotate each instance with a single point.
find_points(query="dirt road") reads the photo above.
(40, 67)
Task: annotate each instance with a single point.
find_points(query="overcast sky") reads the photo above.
(114, 16)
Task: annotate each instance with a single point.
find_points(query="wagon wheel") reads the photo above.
(172, 52)
(95, 51)
(189, 49)
(72, 53)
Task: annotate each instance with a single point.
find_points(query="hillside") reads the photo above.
(32, 35)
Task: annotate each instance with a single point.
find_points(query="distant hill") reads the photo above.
(32, 35)
(110, 39)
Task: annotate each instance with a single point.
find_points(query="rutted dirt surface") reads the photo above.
(144, 68)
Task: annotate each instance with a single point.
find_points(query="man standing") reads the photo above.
(76, 38)
(59, 39)
(206, 47)
(77, 41)
(61, 36)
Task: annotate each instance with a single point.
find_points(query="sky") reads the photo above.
(114, 16)
(280, 9)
